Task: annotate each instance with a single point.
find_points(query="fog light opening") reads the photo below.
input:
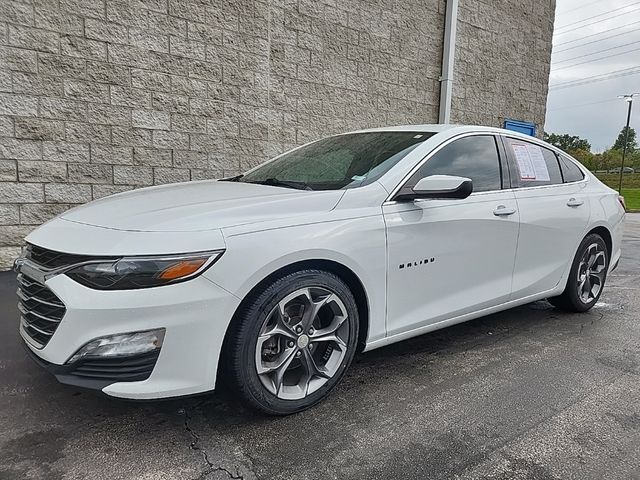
(121, 345)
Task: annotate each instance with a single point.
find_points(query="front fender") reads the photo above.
(358, 244)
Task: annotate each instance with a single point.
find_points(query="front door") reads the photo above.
(450, 257)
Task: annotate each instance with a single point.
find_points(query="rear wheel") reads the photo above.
(292, 342)
(587, 276)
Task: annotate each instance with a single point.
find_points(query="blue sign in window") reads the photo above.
(520, 126)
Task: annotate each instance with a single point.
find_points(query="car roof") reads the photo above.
(452, 130)
(439, 128)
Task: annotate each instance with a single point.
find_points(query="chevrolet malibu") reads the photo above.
(272, 280)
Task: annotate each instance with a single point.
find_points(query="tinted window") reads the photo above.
(570, 171)
(472, 157)
(534, 165)
(342, 161)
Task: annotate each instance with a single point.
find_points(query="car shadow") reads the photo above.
(411, 358)
(385, 385)
(370, 370)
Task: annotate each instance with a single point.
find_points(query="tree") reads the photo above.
(566, 142)
(633, 160)
(632, 145)
(611, 159)
(598, 164)
(586, 158)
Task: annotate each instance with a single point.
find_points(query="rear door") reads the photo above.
(554, 213)
(450, 257)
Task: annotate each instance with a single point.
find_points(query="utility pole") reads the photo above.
(629, 99)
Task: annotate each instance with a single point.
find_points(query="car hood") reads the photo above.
(198, 206)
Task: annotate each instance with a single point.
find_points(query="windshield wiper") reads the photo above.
(283, 183)
(232, 179)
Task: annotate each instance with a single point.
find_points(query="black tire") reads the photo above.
(570, 299)
(239, 354)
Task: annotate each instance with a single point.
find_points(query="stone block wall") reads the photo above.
(102, 96)
(502, 61)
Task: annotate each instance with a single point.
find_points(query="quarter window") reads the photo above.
(534, 165)
(472, 157)
(570, 171)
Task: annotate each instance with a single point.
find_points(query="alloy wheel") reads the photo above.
(302, 343)
(591, 273)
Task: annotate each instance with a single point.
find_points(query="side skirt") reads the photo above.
(459, 319)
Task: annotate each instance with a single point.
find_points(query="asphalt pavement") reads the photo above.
(530, 393)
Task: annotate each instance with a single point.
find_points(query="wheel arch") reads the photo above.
(603, 232)
(343, 272)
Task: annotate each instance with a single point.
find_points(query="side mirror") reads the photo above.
(437, 187)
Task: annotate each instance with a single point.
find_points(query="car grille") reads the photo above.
(40, 310)
(49, 259)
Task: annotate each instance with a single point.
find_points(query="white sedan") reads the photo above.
(269, 282)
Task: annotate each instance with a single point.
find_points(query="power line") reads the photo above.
(606, 57)
(578, 8)
(601, 75)
(597, 51)
(594, 34)
(597, 78)
(598, 15)
(597, 21)
(594, 80)
(582, 105)
(598, 40)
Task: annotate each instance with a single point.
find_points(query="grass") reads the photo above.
(629, 180)
(632, 198)
(630, 187)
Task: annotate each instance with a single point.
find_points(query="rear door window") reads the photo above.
(532, 165)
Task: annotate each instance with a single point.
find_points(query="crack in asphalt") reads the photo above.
(194, 445)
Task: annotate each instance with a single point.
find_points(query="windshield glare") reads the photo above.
(342, 161)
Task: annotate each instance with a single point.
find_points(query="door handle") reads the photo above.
(502, 211)
(573, 202)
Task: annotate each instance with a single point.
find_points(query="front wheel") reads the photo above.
(587, 276)
(292, 342)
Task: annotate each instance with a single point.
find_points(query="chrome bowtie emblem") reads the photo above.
(17, 264)
(303, 341)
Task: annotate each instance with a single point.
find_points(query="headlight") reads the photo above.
(142, 272)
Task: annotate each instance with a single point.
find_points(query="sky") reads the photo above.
(592, 110)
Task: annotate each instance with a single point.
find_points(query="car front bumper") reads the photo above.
(195, 315)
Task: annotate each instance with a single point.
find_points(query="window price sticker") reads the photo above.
(524, 162)
(531, 162)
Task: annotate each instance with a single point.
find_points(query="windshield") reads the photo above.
(342, 161)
